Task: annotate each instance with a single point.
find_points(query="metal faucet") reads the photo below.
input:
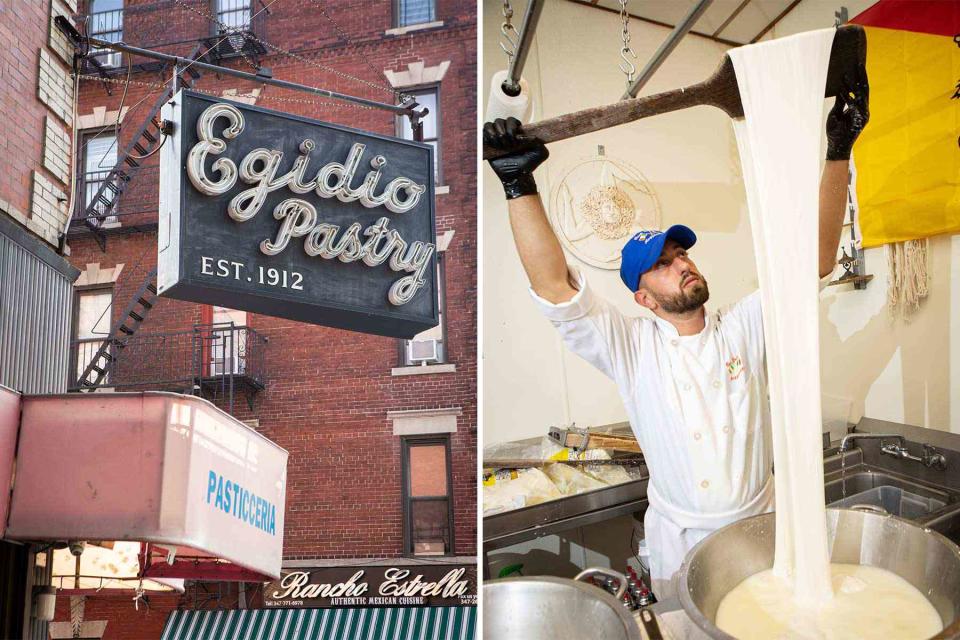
(930, 458)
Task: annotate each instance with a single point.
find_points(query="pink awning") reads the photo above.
(9, 423)
(206, 491)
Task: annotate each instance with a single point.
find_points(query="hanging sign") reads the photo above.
(281, 215)
(406, 586)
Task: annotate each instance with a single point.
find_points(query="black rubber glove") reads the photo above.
(525, 154)
(849, 116)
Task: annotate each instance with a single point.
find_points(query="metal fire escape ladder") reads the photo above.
(103, 203)
(137, 309)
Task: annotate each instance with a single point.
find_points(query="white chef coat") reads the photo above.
(697, 406)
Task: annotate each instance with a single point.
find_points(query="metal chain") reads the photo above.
(508, 32)
(158, 86)
(282, 51)
(233, 32)
(626, 51)
(399, 96)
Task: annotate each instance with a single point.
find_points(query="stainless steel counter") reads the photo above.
(529, 523)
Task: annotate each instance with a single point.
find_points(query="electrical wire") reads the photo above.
(152, 151)
(282, 51)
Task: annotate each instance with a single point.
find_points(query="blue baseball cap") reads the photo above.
(643, 249)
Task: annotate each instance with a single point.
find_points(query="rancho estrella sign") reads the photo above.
(281, 215)
(375, 586)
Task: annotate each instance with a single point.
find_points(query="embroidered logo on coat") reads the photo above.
(734, 367)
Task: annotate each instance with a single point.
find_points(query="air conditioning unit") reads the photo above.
(227, 366)
(428, 548)
(108, 58)
(422, 351)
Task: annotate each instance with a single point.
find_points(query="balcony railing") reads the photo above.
(142, 25)
(217, 361)
(89, 184)
(236, 22)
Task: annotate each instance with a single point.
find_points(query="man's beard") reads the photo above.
(684, 300)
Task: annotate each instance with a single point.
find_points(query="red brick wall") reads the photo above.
(23, 32)
(124, 622)
(328, 391)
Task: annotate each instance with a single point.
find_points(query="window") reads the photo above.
(225, 341)
(408, 12)
(106, 23)
(430, 346)
(99, 158)
(234, 14)
(427, 496)
(429, 98)
(92, 318)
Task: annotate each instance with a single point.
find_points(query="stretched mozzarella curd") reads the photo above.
(868, 602)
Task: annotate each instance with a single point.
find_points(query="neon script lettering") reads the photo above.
(374, 245)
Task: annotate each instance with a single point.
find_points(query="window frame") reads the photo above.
(78, 292)
(441, 275)
(396, 15)
(83, 138)
(424, 88)
(99, 53)
(216, 29)
(406, 442)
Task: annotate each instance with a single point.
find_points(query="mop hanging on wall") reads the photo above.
(907, 159)
(597, 204)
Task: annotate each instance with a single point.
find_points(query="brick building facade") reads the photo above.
(348, 407)
(36, 94)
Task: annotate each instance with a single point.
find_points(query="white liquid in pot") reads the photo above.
(867, 603)
(803, 596)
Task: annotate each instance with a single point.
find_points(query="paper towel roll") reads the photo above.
(501, 105)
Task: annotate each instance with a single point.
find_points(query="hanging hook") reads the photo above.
(508, 32)
(627, 66)
(511, 50)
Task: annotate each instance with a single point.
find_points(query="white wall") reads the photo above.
(871, 364)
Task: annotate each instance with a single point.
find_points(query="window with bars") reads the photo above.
(427, 496)
(408, 12)
(91, 325)
(429, 98)
(106, 23)
(232, 14)
(98, 157)
(225, 348)
(430, 346)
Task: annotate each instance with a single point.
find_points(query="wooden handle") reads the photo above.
(603, 441)
(719, 90)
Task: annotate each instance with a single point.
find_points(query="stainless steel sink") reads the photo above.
(893, 500)
(928, 496)
(894, 494)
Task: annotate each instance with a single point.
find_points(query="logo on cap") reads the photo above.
(646, 236)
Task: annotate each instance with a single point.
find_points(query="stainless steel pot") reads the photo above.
(926, 559)
(546, 608)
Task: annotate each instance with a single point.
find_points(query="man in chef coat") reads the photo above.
(693, 382)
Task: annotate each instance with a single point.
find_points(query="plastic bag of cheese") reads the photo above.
(570, 481)
(522, 488)
(608, 473)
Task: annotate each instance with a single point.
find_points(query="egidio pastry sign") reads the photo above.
(296, 218)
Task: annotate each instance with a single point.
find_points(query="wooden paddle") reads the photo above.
(719, 90)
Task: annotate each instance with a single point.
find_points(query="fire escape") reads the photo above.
(219, 361)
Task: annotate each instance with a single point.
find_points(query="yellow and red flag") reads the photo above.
(908, 157)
